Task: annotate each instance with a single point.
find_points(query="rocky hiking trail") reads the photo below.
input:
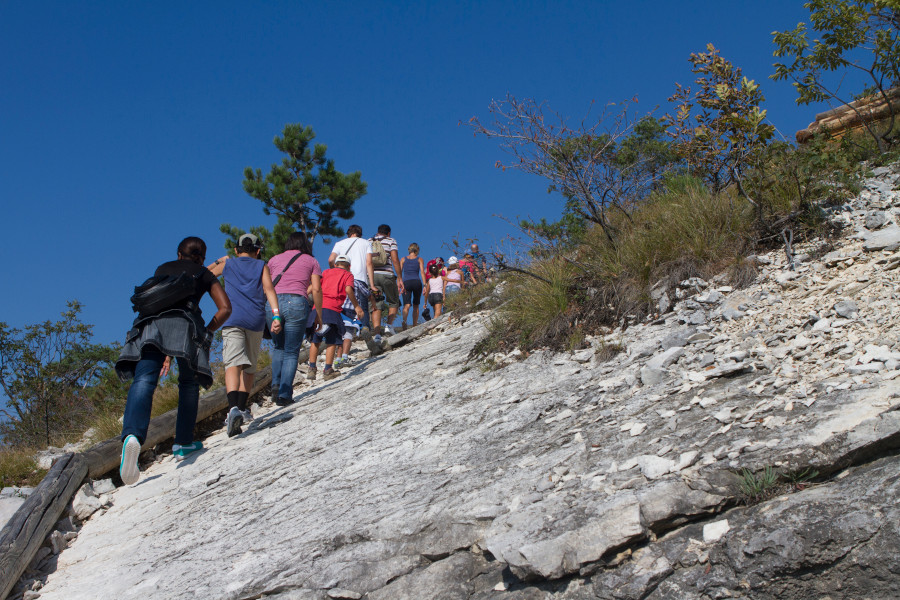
(421, 475)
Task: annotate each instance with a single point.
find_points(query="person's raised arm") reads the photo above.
(315, 282)
(272, 297)
(217, 267)
(223, 306)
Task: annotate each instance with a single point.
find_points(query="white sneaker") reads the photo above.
(248, 416)
(128, 467)
(233, 422)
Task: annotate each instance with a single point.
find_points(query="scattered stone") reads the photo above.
(713, 532)
(846, 309)
(875, 220)
(883, 239)
(85, 503)
(654, 467)
(103, 486)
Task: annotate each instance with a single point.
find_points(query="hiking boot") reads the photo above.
(182, 452)
(248, 416)
(342, 362)
(128, 467)
(374, 346)
(330, 374)
(284, 401)
(310, 374)
(234, 421)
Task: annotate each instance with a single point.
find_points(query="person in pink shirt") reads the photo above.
(294, 271)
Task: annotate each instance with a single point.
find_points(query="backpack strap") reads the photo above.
(286, 267)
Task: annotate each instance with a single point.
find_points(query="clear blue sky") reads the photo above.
(126, 126)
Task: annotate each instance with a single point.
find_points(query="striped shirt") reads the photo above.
(388, 243)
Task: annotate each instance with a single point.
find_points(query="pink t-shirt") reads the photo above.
(296, 279)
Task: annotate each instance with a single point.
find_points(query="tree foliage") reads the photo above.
(601, 165)
(856, 36)
(52, 374)
(305, 190)
(719, 128)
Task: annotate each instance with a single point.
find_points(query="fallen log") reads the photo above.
(852, 116)
(415, 332)
(26, 531)
(104, 457)
(874, 98)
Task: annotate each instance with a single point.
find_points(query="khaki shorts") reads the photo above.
(241, 348)
(388, 286)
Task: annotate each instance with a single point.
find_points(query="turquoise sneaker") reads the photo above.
(182, 452)
(128, 467)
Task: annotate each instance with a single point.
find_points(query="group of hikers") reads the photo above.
(289, 298)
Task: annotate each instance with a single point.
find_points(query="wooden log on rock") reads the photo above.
(104, 457)
(852, 116)
(35, 519)
(415, 332)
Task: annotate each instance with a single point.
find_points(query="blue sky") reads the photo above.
(126, 126)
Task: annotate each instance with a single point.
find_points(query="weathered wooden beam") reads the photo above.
(415, 332)
(26, 531)
(104, 457)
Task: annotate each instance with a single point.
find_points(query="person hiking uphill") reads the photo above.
(248, 284)
(178, 331)
(337, 286)
(412, 268)
(359, 251)
(387, 268)
(297, 278)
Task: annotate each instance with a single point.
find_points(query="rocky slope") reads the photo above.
(419, 475)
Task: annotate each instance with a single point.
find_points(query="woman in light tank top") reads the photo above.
(412, 269)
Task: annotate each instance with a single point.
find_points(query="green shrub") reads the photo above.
(19, 468)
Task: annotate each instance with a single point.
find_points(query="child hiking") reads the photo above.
(337, 285)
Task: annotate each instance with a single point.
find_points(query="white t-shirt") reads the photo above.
(356, 250)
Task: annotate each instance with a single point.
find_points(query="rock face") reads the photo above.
(419, 475)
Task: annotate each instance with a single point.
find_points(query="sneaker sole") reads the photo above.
(234, 425)
(128, 468)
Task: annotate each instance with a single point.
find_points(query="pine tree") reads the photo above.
(305, 191)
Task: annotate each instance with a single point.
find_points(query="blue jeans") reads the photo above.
(294, 310)
(140, 398)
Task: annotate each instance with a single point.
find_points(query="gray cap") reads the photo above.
(248, 239)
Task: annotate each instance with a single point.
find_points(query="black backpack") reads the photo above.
(162, 292)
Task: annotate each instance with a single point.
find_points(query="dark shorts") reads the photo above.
(335, 333)
(435, 299)
(412, 291)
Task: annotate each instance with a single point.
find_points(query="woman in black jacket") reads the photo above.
(176, 331)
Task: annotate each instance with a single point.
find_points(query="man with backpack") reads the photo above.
(386, 266)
